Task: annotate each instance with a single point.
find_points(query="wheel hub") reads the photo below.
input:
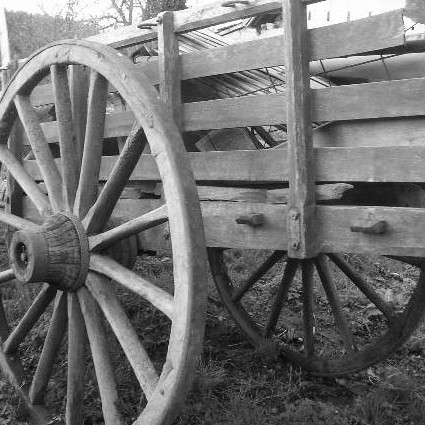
(57, 253)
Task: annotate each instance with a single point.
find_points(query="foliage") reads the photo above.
(153, 7)
(28, 33)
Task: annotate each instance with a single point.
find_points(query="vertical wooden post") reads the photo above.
(169, 66)
(301, 202)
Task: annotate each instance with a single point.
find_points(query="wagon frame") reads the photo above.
(71, 197)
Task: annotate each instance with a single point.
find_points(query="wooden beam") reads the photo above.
(380, 32)
(270, 166)
(169, 67)
(404, 237)
(301, 201)
(387, 99)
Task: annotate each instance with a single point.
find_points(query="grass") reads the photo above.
(237, 385)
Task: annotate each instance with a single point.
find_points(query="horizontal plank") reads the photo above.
(357, 164)
(404, 131)
(406, 227)
(386, 99)
(368, 35)
(185, 20)
(376, 33)
(400, 131)
(325, 192)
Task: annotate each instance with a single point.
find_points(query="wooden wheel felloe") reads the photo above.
(64, 232)
(330, 315)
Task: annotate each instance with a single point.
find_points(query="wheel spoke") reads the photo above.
(79, 88)
(337, 310)
(160, 299)
(308, 316)
(239, 292)
(16, 222)
(50, 350)
(30, 318)
(132, 227)
(100, 352)
(282, 293)
(364, 287)
(93, 145)
(21, 176)
(40, 147)
(67, 138)
(100, 212)
(139, 360)
(76, 363)
(7, 276)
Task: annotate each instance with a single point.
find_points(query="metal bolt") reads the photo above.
(296, 245)
(295, 215)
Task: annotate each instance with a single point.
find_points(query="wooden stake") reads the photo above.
(169, 67)
(301, 202)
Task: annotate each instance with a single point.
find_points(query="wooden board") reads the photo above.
(381, 132)
(380, 32)
(362, 101)
(405, 235)
(402, 131)
(367, 164)
(301, 201)
(364, 35)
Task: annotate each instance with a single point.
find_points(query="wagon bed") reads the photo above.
(109, 178)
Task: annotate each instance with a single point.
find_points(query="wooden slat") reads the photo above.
(349, 38)
(362, 101)
(376, 33)
(404, 238)
(391, 99)
(370, 164)
(388, 99)
(383, 132)
(212, 14)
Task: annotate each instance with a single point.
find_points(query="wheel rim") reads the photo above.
(87, 299)
(306, 319)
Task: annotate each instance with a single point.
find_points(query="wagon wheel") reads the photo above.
(325, 314)
(65, 247)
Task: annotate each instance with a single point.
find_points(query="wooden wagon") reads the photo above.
(105, 180)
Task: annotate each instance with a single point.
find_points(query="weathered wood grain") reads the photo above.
(301, 201)
(99, 347)
(50, 350)
(103, 293)
(159, 298)
(30, 318)
(76, 362)
(67, 137)
(404, 237)
(362, 163)
(356, 102)
(169, 67)
(93, 145)
(41, 150)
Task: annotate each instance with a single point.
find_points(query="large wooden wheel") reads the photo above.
(55, 235)
(331, 315)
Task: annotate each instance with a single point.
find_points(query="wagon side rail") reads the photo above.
(374, 135)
